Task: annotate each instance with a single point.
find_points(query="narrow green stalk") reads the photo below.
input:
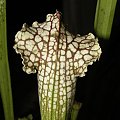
(5, 85)
(75, 110)
(104, 17)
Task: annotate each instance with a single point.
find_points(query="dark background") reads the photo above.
(99, 90)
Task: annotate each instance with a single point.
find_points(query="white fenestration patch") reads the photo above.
(87, 57)
(62, 52)
(81, 62)
(69, 38)
(29, 44)
(95, 47)
(37, 38)
(75, 44)
(69, 54)
(40, 45)
(32, 57)
(83, 52)
(20, 43)
(90, 36)
(48, 26)
(48, 69)
(27, 35)
(18, 35)
(27, 53)
(78, 55)
(72, 48)
(35, 24)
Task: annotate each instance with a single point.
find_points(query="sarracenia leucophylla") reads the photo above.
(58, 57)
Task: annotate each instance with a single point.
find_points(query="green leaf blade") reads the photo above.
(5, 82)
(104, 18)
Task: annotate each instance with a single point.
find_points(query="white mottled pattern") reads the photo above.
(58, 57)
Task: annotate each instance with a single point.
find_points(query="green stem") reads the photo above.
(104, 18)
(75, 110)
(5, 85)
